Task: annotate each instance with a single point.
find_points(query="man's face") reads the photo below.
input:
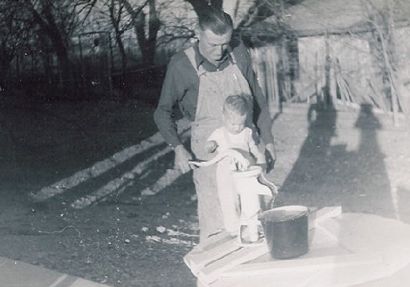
(213, 46)
(234, 122)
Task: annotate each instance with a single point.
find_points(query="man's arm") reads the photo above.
(164, 116)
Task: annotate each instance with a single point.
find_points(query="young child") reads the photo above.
(234, 134)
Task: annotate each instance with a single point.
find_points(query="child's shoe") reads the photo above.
(249, 235)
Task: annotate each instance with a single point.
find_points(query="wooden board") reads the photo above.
(364, 250)
(213, 249)
(344, 250)
(19, 274)
(222, 252)
(327, 275)
(319, 215)
(279, 266)
(212, 272)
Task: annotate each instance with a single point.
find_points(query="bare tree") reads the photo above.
(178, 24)
(58, 20)
(146, 36)
(14, 35)
(381, 22)
(115, 11)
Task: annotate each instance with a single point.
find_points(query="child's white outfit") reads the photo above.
(233, 212)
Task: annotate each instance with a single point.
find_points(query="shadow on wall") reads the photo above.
(326, 174)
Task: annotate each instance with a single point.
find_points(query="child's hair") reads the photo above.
(237, 104)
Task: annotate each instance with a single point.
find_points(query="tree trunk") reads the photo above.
(115, 19)
(5, 61)
(147, 43)
(49, 27)
(153, 28)
(124, 59)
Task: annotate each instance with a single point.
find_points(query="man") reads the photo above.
(198, 80)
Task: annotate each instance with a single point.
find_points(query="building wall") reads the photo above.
(342, 66)
(264, 60)
(403, 59)
(312, 57)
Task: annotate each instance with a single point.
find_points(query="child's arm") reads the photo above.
(254, 150)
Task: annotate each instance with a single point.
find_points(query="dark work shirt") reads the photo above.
(180, 89)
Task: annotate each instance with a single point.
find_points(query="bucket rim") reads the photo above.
(303, 210)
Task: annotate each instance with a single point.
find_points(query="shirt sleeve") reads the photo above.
(261, 109)
(164, 115)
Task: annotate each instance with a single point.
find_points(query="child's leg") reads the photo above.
(228, 197)
(250, 207)
(248, 188)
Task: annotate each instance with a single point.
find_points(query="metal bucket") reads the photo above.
(286, 231)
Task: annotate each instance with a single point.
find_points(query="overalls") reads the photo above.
(214, 88)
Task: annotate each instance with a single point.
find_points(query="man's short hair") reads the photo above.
(216, 20)
(237, 104)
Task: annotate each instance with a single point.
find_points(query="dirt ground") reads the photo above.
(356, 160)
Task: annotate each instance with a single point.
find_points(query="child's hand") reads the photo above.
(241, 159)
(211, 146)
(241, 165)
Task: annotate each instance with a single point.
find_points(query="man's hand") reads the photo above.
(270, 155)
(182, 156)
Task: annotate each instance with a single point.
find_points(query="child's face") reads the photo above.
(234, 122)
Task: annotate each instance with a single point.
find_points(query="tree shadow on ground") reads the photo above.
(326, 174)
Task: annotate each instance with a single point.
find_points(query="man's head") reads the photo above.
(215, 34)
(235, 112)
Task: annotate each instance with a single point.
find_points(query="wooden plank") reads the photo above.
(213, 271)
(17, 273)
(398, 279)
(323, 276)
(303, 264)
(216, 247)
(376, 253)
(221, 252)
(294, 279)
(215, 240)
(365, 233)
(348, 276)
(320, 215)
